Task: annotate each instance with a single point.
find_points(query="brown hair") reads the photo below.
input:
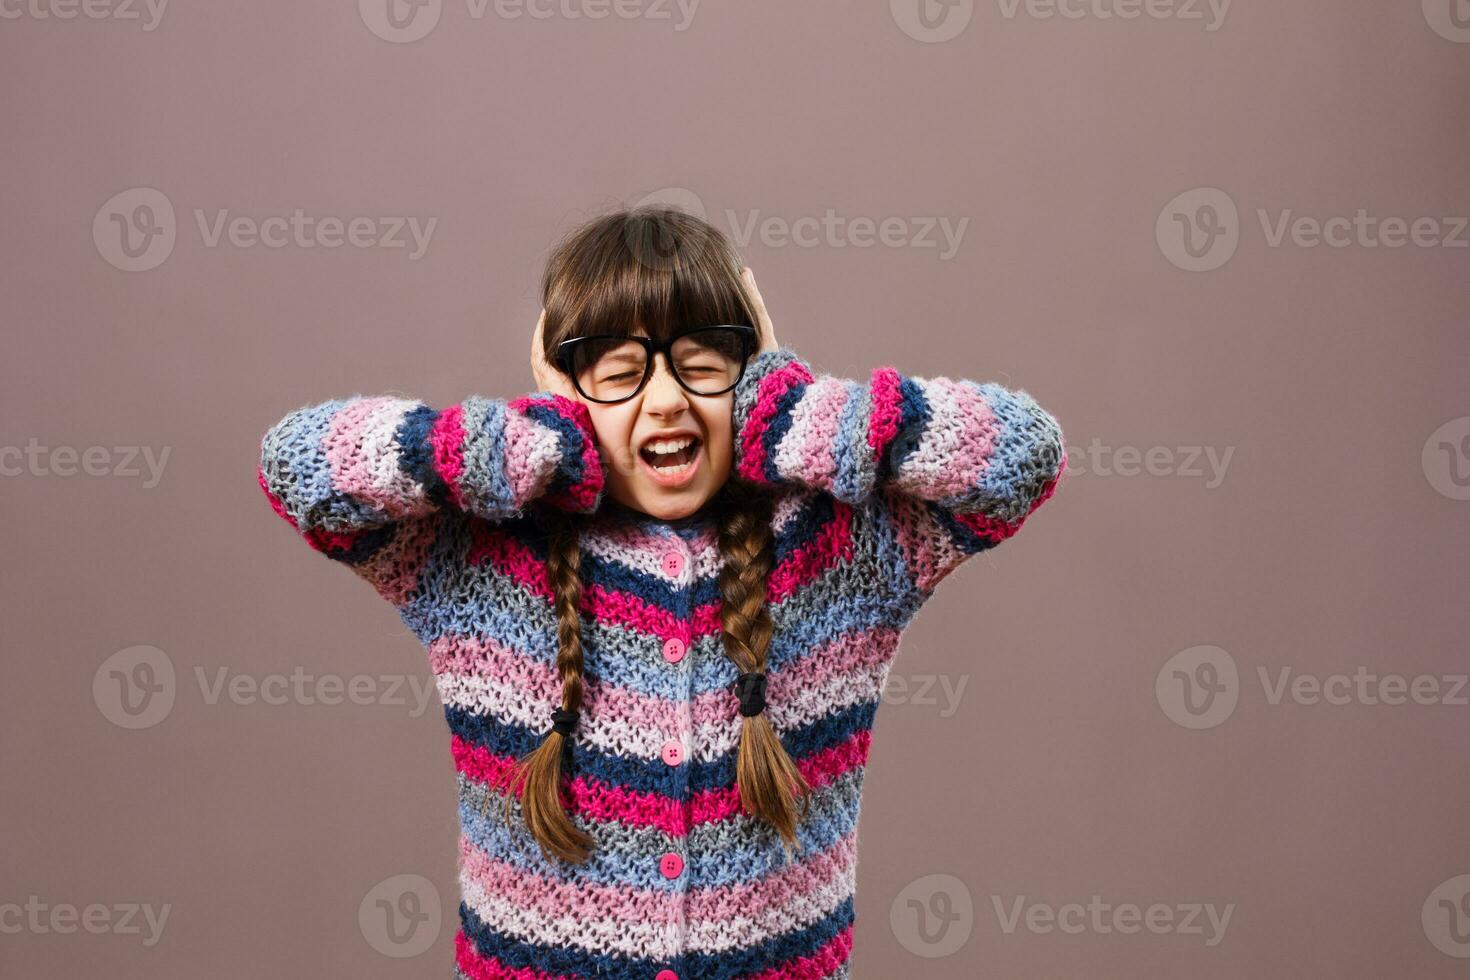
(667, 271)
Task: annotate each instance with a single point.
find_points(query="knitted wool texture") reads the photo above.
(881, 490)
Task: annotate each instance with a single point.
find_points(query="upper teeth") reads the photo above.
(669, 445)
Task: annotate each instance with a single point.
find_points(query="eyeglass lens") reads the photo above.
(707, 361)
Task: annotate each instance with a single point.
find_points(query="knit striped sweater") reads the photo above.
(882, 488)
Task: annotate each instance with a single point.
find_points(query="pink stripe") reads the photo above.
(446, 438)
(849, 659)
(998, 530)
(825, 873)
(920, 540)
(886, 410)
(821, 441)
(815, 967)
(772, 387)
(820, 769)
(275, 501)
(618, 542)
(807, 563)
(343, 445)
(732, 903)
(981, 429)
(524, 457)
(465, 657)
(552, 898)
(582, 496)
(601, 801)
(394, 567)
(495, 546)
(956, 444)
(477, 966)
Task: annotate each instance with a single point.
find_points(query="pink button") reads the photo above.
(666, 975)
(673, 649)
(671, 864)
(673, 752)
(673, 563)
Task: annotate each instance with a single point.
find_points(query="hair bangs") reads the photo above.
(654, 270)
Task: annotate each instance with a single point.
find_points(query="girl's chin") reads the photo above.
(666, 505)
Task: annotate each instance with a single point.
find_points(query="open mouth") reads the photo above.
(672, 456)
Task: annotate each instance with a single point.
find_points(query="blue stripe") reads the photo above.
(570, 469)
(779, 425)
(568, 961)
(913, 417)
(641, 775)
(804, 527)
(752, 857)
(849, 448)
(773, 952)
(913, 420)
(364, 545)
(416, 456)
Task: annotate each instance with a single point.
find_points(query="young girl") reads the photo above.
(660, 598)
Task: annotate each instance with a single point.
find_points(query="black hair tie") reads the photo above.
(750, 688)
(564, 721)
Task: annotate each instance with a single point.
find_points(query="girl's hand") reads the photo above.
(548, 378)
(766, 331)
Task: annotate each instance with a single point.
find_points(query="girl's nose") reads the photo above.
(664, 393)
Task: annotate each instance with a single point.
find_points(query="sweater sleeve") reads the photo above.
(348, 474)
(955, 466)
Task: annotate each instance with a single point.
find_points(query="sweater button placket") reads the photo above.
(677, 568)
(674, 564)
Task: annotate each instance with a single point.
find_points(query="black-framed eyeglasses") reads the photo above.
(609, 369)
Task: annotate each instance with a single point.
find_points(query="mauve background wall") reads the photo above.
(1042, 743)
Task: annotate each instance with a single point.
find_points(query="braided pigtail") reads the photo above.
(540, 770)
(768, 779)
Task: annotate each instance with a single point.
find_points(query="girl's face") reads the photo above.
(663, 412)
